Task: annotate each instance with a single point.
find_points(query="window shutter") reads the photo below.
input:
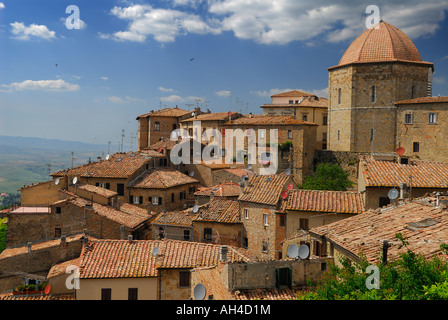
(140, 200)
(97, 184)
(160, 200)
(289, 278)
(130, 199)
(107, 185)
(150, 199)
(277, 278)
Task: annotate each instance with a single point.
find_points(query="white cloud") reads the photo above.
(126, 99)
(173, 98)
(45, 85)
(104, 78)
(23, 32)
(223, 93)
(2, 5)
(165, 89)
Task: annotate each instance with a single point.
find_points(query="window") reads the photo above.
(262, 133)
(304, 223)
(413, 92)
(373, 94)
(291, 101)
(432, 118)
(265, 219)
(404, 160)
(172, 198)
(182, 195)
(57, 232)
(339, 134)
(207, 234)
(106, 294)
(156, 126)
(283, 277)
(282, 221)
(187, 235)
(305, 117)
(317, 248)
(383, 201)
(191, 190)
(339, 96)
(245, 242)
(58, 210)
(246, 214)
(324, 136)
(372, 131)
(265, 246)
(324, 120)
(289, 134)
(120, 189)
(161, 233)
(184, 278)
(133, 294)
(416, 147)
(137, 200)
(408, 118)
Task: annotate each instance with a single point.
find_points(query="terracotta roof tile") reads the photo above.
(383, 42)
(166, 112)
(119, 165)
(325, 201)
(423, 100)
(266, 294)
(424, 174)
(293, 93)
(40, 296)
(226, 189)
(264, 189)
(124, 259)
(98, 190)
(176, 218)
(161, 178)
(362, 234)
(219, 210)
(60, 268)
(217, 116)
(269, 120)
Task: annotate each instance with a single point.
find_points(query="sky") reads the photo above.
(88, 79)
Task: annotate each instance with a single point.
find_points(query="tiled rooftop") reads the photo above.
(422, 100)
(293, 93)
(418, 174)
(383, 42)
(166, 112)
(269, 120)
(264, 189)
(217, 116)
(325, 201)
(266, 294)
(124, 259)
(40, 296)
(226, 189)
(362, 234)
(175, 218)
(119, 165)
(219, 210)
(60, 268)
(161, 178)
(98, 190)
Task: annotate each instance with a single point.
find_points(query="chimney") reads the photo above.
(130, 238)
(122, 234)
(438, 199)
(85, 241)
(28, 247)
(223, 253)
(403, 188)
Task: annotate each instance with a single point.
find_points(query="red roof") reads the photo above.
(424, 100)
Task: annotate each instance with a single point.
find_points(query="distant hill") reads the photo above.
(26, 160)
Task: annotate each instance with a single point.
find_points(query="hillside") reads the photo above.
(26, 160)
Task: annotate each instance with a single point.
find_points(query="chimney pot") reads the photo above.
(130, 238)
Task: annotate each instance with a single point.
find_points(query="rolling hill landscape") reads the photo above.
(25, 160)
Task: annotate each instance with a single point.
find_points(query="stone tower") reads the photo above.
(380, 67)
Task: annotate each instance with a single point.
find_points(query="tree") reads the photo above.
(327, 177)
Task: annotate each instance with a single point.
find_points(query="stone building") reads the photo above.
(382, 66)
(422, 128)
(227, 190)
(303, 106)
(175, 225)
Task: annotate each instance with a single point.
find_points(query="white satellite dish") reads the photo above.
(155, 251)
(107, 156)
(288, 171)
(56, 182)
(75, 179)
(393, 194)
(293, 251)
(195, 208)
(191, 173)
(304, 252)
(199, 292)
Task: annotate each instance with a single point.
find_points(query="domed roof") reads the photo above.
(382, 42)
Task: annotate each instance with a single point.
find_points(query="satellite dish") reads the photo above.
(393, 194)
(400, 151)
(304, 252)
(195, 208)
(75, 179)
(199, 292)
(47, 289)
(244, 178)
(107, 157)
(288, 171)
(290, 186)
(284, 194)
(155, 251)
(191, 173)
(249, 166)
(293, 251)
(159, 150)
(56, 182)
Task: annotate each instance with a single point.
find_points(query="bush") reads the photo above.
(328, 177)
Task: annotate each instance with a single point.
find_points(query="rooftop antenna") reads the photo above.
(108, 147)
(73, 158)
(189, 105)
(122, 137)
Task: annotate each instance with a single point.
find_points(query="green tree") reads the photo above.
(327, 177)
(2, 235)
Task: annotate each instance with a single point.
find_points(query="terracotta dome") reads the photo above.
(383, 42)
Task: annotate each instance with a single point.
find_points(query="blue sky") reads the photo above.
(130, 57)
